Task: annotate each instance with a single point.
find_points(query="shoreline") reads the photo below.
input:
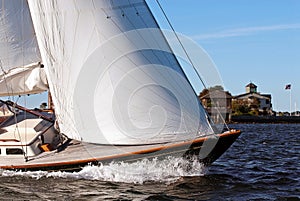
(265, 119)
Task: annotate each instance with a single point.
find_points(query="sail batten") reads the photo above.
(20, 58)
(112, 75)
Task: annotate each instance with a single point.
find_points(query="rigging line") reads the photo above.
(116, 24)
(142, 37)
(176, 59)
(176, 35)
(1, 66)
(24, 78)
(190, 60)
(133, 26)
(206, 114)
(19, 134)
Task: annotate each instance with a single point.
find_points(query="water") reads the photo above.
(263, 164)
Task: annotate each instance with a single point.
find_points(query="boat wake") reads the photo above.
(167, 170)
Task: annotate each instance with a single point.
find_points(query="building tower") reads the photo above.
(251, 88)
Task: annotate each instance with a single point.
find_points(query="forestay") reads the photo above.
(20, 72)
(112, 75)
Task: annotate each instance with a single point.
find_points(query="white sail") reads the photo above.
(112, 75)
(20, 71)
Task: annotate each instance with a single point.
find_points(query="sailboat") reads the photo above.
(118, 91)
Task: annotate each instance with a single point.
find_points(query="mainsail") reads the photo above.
(112, 75)
(21, 71)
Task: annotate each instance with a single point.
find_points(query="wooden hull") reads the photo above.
(74, 155)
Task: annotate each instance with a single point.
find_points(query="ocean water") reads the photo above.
(263, 164)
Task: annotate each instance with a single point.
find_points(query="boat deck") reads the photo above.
(79, 153)
(73, 155)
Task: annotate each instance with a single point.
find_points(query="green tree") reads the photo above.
(217, 87)
(240, 107)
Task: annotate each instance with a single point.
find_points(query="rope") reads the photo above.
(177, 37)
(24, 80)
(19, 135)
(189, 58)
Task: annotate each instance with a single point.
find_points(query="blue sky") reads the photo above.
(248, 40)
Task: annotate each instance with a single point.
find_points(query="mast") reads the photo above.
(50, 102)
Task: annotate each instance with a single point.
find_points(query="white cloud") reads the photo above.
(245, 31)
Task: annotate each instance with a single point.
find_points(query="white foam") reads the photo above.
(168, 170)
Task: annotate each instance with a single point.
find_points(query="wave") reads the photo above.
(154, 170)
